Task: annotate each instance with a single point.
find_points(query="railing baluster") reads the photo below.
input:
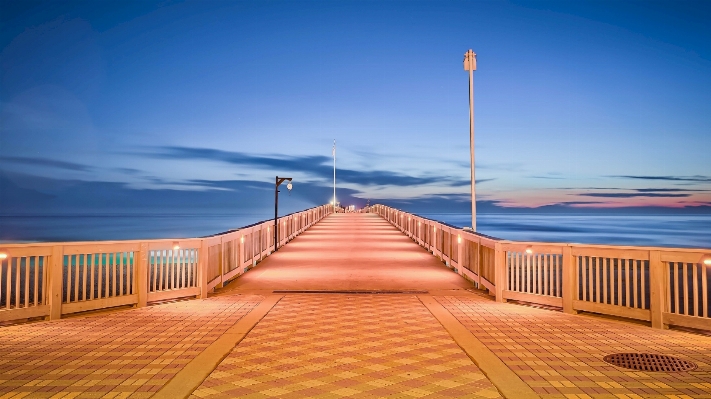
(696, 290)
(620, 263)
(604, 280)
(43, 261)
(27, 280)
(704, 291)
(685, 281)
(643, 284)
(635, 266)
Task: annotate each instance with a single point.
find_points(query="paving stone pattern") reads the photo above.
(361, 346)
(560, 355)
(123, 354)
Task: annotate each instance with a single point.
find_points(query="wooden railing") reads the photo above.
(664, 286)
(53, 279)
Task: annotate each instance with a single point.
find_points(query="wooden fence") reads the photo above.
(664, 286)
(53, 279)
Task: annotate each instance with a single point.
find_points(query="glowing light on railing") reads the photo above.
(176, 246)
(459, 239)
(241, 239)
(529, 250)
(706, 260)
(3, 255)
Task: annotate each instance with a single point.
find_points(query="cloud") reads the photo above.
(696, 178)
(45, 162)
(633, 195)
(316, 165)
(572, 203)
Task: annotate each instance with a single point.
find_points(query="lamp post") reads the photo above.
(279, 180)
(470, 65)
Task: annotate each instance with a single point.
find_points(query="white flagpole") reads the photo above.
(334, 176)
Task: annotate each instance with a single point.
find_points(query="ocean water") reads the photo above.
(690, 231)
(669, 231)
(96, 227)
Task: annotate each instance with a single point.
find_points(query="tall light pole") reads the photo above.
(470, 65)
(334, 176)
(278, 181)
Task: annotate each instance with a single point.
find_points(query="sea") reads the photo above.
(687, 231)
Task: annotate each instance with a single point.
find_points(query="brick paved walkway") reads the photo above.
(130, 353)
(361, 346)
(560, 355)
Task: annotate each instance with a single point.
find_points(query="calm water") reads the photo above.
(119, 227)
(674, 231)
(668, 231)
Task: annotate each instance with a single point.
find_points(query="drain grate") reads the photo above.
(649, 362)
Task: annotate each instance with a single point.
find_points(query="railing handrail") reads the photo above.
(56, 278)
(663, 285)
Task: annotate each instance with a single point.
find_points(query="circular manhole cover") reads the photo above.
(649, 362)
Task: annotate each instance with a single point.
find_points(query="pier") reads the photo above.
(366, 305)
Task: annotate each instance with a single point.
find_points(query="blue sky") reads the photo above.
(119, 105)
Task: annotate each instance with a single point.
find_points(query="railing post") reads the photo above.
(222, 263)
(460, 254)
(54, 297)
(500, 272)
(569, 288)
(202, 268)
(240, 254)
(657, 289)
(142, 275)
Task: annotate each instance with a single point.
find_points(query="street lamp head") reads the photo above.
(289, 186)
(470, 61)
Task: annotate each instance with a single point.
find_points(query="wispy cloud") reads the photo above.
(633, 195)
(52, 163)
(696, 178)
(316, 165)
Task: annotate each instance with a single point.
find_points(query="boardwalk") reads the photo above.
(437, 340)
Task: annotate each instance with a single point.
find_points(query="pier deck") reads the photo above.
(261, 336)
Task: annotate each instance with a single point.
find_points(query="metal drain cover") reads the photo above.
(649, 362)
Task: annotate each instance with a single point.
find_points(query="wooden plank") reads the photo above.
(173, 294)
(656, 289)
(534, 298)
(702, 323)
(635, 279)
(611, 252)
(488, 285)
(685, 257)
(24, 313)
(620, 311)
(704, 291)
(102, 303)
(37, 272)
(27, 281)
(695, 290)
(19, 252)
(537, 248)
(233, 273)
(605, 281)
(54, 278)
(685, 282)
(628, 283)
(619, 281)
(100, 247)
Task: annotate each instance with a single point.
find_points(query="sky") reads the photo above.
(185, 105)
